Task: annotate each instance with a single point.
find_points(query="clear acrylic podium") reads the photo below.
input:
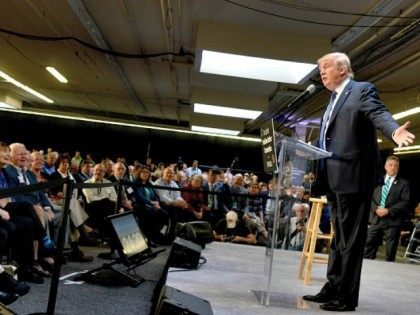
(295, 159)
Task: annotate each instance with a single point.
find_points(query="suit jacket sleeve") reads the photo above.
(373, 108)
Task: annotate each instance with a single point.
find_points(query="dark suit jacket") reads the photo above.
(397, 202)
(351, 136)
(224, 201)
(36, 197)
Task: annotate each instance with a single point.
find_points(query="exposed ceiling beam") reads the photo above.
(90, 25)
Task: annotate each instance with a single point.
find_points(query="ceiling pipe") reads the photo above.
(167, 20)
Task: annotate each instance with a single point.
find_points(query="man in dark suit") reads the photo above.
(218, 204)
(348, 130)
(389, 206)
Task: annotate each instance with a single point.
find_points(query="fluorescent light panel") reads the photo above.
(407, 152)
(226, 111)
(215, 130)
(5, 105)
(25, 87)
(119, 123)
(407, 148)
(56, 74)
(406, 113)
(254, 67)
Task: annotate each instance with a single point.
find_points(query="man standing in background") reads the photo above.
(389, 206)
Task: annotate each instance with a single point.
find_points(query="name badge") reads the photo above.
(130, 190)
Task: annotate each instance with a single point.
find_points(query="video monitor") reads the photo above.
(130, 240)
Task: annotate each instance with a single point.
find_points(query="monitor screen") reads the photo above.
(129, 234)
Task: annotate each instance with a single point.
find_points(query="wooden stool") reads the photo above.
(308, 253)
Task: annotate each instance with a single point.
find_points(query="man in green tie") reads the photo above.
(390, 205)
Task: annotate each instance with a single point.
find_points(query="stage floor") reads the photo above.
(233, 276)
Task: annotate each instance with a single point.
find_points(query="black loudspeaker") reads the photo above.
(176, 302)
(199, 232)
(184, 254)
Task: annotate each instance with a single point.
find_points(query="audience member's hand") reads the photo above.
(198, 215)
(4, 215)
(128, 204)
(49, 213)
(156, 204)
(121, 210)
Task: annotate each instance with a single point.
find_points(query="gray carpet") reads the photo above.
(228, 280)
(95, 299)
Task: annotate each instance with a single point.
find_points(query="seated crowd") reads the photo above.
(237, 206)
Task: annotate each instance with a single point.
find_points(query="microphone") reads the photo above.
(303, 96)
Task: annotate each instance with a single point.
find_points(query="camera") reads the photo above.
(301, 222)
(228, 238)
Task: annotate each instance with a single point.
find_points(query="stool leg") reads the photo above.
(314, 233)
(306, 244)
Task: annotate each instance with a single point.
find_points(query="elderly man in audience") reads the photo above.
(119, 174)
(298, 226)
(171, 199)
(181, 179)
(237, 187)
(233, 230)
(37, 161)
(100, 202)
(49, 165)
(18, 176)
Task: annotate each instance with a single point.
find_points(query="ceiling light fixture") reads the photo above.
(254, 67)
(25, 87)
(120, 123)
(56, 74)
(10, 102)
(407, 148)
(407, 152)
(215, 130)
(406, 113)
(379, 140)
(226, 111)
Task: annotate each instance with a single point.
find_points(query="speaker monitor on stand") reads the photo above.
(176, 302)
(184, 254)
(199, 232)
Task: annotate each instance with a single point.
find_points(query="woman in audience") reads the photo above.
(78, 216)
(153, 219)
(196, 208)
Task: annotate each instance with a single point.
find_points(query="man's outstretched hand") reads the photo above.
(402, 136)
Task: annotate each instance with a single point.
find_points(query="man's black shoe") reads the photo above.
(7, 298)
(335, 306)
(10, 284)
(321, 297)
(28, 276)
